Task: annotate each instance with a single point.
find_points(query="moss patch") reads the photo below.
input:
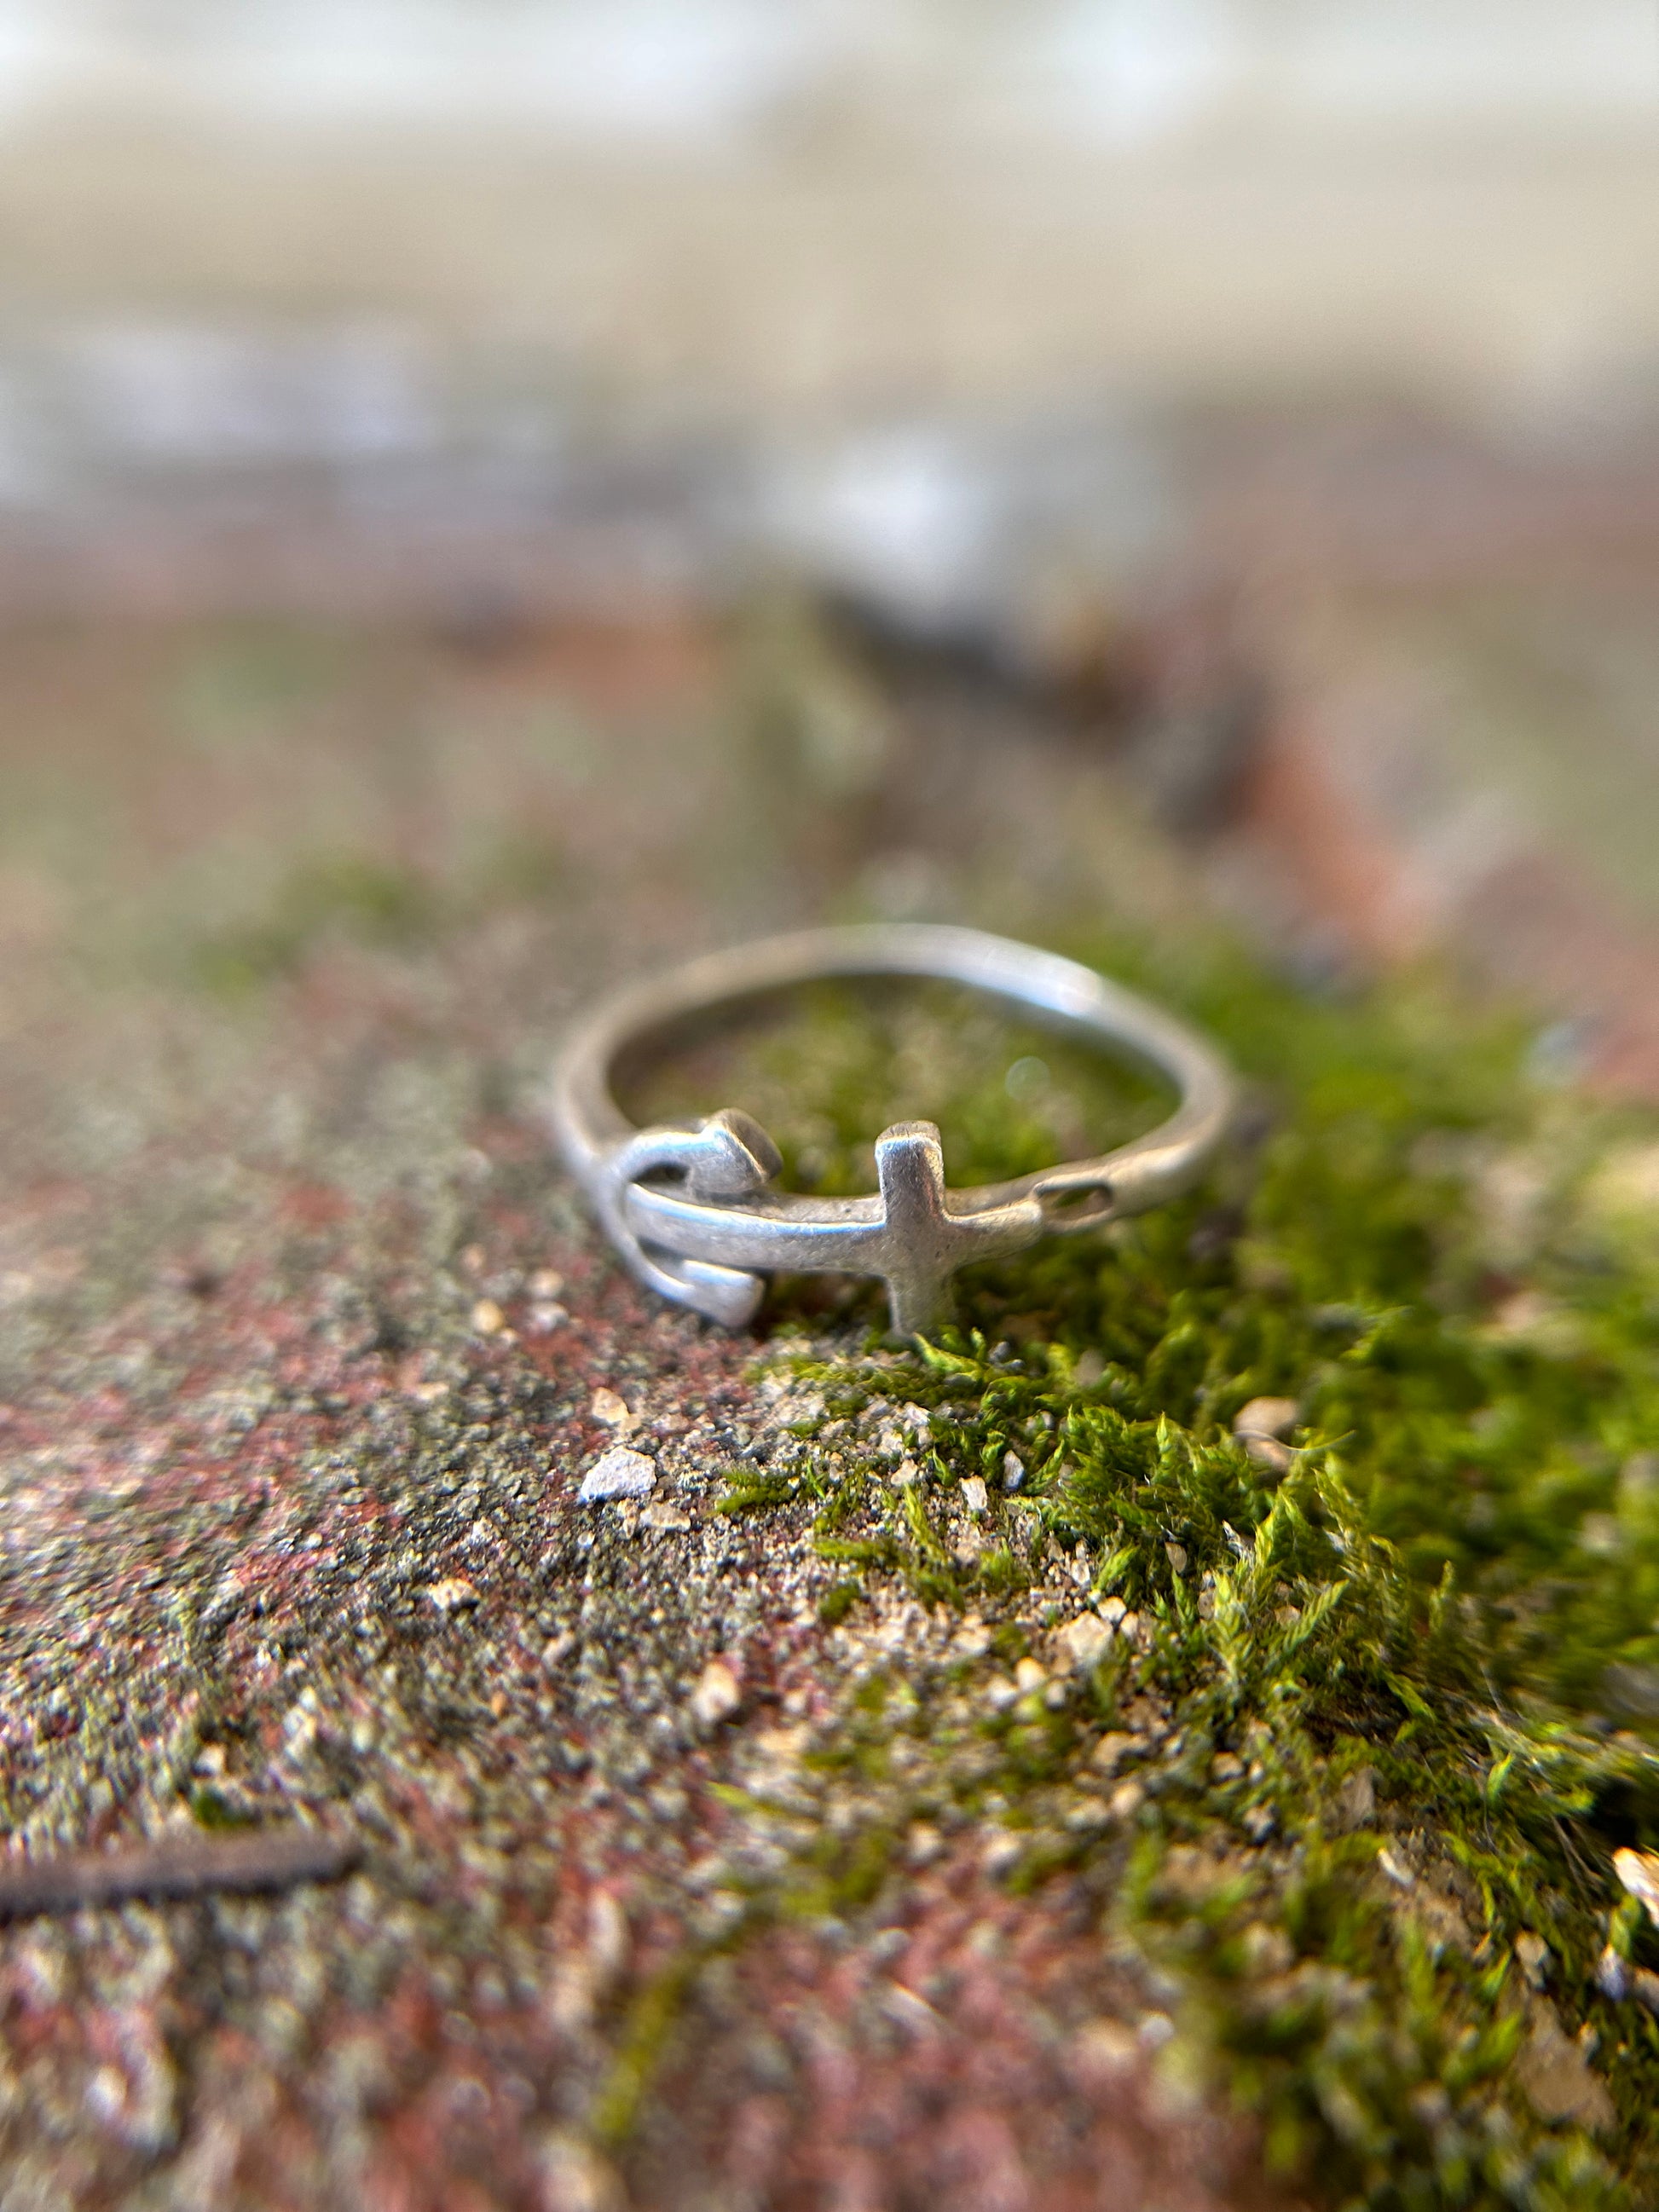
(1354, 1721)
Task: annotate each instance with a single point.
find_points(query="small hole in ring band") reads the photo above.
(1076, 1205)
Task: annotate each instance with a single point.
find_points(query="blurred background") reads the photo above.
(534, 472)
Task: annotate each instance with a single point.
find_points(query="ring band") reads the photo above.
(691, 1207)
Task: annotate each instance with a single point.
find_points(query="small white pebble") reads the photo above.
(1612, 1975)
(1640, 1872)
(1125, 1800)
(1000, 1855)
(1105, 2046)
(1115, 1610)
(716, 1695)
(546, 1282)
(488, 1319)
(107, 2094)
(545, 1316)
(1014, 1470)
(1532, 1956)
(1268, 1452)
(904, 1473)
(665, 1517)
(618, 1472)
(1084, 1640)
(1113, 1749)
(1266, 1417)
(1155, 2030)
(612, 1411)
(975, 1495)
(452, 1595)
(1266, 1950)
(1030, 1674)
(1396, 1870)
(1177, 1554)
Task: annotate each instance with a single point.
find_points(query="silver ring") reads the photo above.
(691, 1207)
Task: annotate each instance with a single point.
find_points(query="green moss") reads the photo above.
(210, 1809)
(351, 895)
(650, 2022)
(369, 899)
(251, 682)
(838, 1600)
(1452, 1584)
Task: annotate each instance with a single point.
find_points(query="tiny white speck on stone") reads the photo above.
(618, 1472)
(716, 1696)
(975, 1495)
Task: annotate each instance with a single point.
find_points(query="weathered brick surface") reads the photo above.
(303, 1340)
